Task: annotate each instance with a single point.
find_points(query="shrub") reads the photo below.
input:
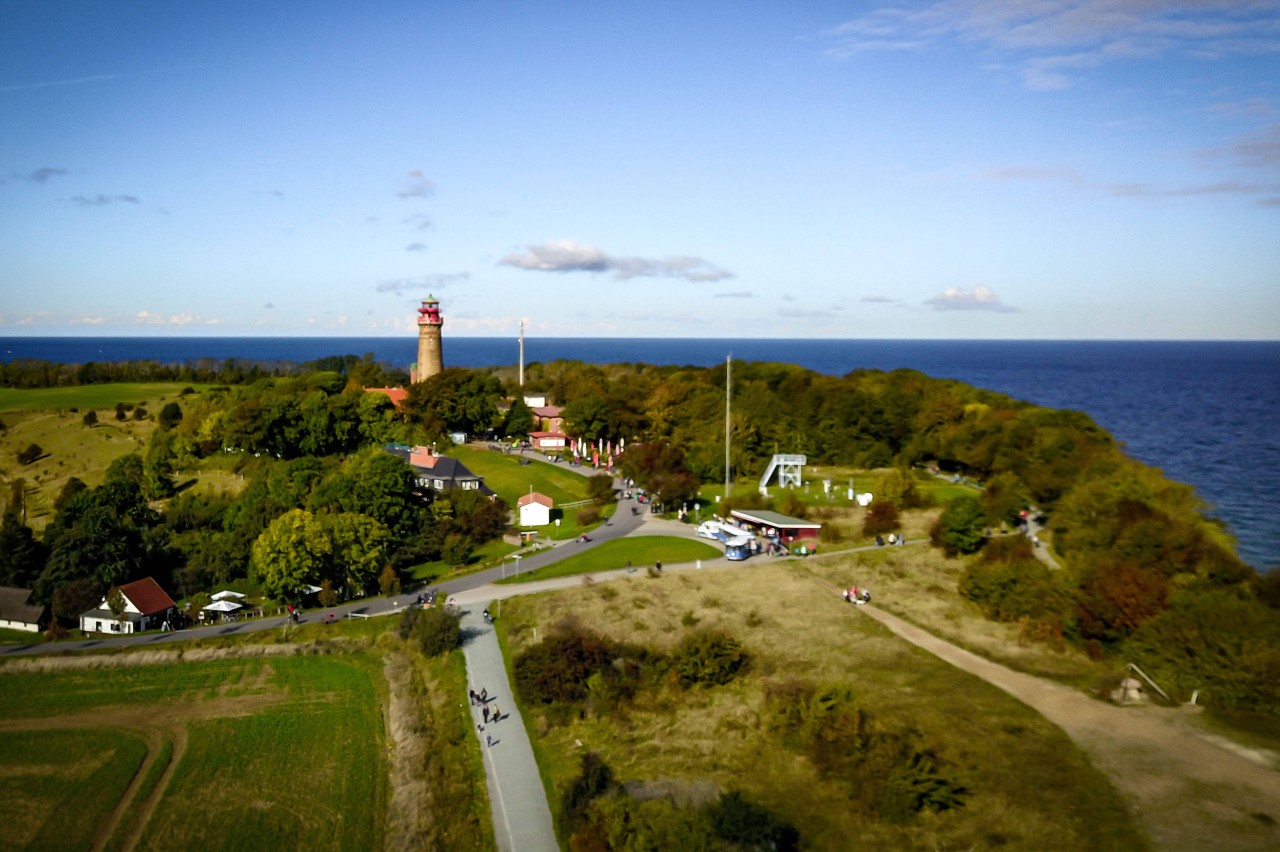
(587, 517)
(1115, 598)
(1008, 583)
(557, 668)
(750, 826)
(600, 488)
(30, 454)
(881, 518)
(436, 631)
(959, 529)
(709, 657)
(90, 418)
(593, 780)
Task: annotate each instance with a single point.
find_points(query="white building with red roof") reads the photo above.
(146, 607)
(535, 509)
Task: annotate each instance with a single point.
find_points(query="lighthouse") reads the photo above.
(430, 354)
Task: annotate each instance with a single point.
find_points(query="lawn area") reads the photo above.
(512, 480)
(1025, 785)
(59, 785)
(238, 730)
(641, 551)
(97, 397)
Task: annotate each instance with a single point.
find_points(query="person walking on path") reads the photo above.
(496, 714)
(486, 714)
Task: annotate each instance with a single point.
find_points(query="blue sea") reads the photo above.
(1206, 413)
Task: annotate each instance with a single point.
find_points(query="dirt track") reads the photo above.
(1186, 791)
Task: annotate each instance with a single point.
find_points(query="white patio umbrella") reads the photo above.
(223, 606)
(226, 595)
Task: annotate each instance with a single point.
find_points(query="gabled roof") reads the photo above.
(535, 497)
(15, 605)
(547, 410)
(547, 435)
(147, 596)
(396, 395)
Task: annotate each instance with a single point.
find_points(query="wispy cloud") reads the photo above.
(101, 200)
(736, 294)
(980, 298)
(1262, 153)
(573, 256)
(43, 175)
(421, 283)
(75, 81)
(416, 186)
(1050, 42)
(877, 300)
(416, 247)
(421, 221)
(175, 320)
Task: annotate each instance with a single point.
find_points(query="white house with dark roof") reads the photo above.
(434, 472)
(17, 612)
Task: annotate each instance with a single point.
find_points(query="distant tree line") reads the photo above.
(39, 373)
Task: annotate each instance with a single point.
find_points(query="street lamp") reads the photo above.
(697, 510)
(517, 566)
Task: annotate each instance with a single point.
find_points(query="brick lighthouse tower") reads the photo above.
(430, 326)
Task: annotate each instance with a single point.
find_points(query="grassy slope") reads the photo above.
(44, 416)
(1031, 787)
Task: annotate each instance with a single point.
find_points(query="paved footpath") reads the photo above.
(521, 818)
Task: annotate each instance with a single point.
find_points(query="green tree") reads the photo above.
(22, 555)
(357, 545)
(291, 552)
(959, 529)
(170, 415)
(460, 400)
(519, 420)
(90, 418)
(600, 488)
(881, 518)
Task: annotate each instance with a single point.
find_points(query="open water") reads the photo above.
(1207, 413)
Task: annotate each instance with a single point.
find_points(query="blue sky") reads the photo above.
(957, 169)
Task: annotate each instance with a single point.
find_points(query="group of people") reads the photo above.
(894, 538)
(487, 713)
(854, 595)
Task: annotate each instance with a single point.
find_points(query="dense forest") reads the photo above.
(1146, 573)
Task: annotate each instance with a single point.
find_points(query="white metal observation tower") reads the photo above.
(788, 466)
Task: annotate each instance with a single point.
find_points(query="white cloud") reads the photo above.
(416, 186)
(980, 298)
(572, 256)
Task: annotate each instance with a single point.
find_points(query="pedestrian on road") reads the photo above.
(488, 740)
(497, 714)
(471, 693)
(486, 714)
(484, 696)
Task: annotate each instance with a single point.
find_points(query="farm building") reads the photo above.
(786, 529)
(17, 612)
(548, 440)
(535, 509)
(146, 607)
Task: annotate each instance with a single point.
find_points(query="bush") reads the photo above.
(600, 488)
(750, 826)
(30, 454)
(587, 517)
(90, 418)
(881, 518)
(1115, 598)
(959, 529)
(557, 668)
(1008, 583)
(709, 657)
(436, 631)
(594, 779)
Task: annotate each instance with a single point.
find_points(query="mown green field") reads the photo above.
(1025, 785)
(86, 397)
(285, 752)
(640, 551)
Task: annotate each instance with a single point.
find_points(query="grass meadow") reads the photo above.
(640, 551)
(1030, 787)
(53, 419)
(321, 737)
